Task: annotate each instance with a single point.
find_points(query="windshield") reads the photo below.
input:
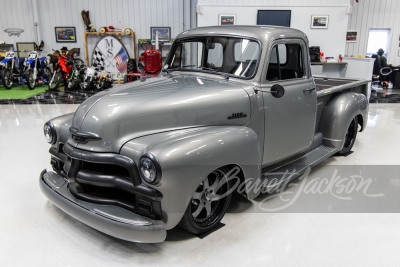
(229, 56)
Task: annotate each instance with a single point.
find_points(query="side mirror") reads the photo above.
(277, 91)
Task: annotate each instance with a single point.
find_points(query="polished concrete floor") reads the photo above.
(33, 232)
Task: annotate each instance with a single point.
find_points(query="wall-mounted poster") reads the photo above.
(319, 22)
(226, 19)
(164, 34)
(65, 34)
(352, 36)
(110, 55)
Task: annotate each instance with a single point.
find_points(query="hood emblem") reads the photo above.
(237, 116)
(82, 137)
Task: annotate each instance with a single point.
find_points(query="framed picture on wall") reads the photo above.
(65, 34)
(226, 19)
(319, 22)
(352, 36)
(164, 34)
(24, 48)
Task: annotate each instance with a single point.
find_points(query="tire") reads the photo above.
(100, 84)
(31, 81)
(131, 66)
(7, 79)
(71, 84)
(47, 74)
(350, 137)
(57, 79)
(203, 212)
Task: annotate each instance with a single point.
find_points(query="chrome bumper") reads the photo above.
(112, 220)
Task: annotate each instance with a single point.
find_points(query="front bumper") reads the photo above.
(112, 220)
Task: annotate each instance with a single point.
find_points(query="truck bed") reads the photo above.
(327, 85)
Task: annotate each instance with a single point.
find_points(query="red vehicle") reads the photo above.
(149, 64)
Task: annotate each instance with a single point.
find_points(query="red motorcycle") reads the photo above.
(62, 66)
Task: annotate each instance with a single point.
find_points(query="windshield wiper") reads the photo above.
(225, 75)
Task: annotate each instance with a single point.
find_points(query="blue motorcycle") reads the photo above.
(11, 69)
(35, 67)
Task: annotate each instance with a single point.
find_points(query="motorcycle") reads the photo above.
(76, 77)
(89, 78)
(61, 71)
(62, 67)
(103, 81)
(11, 69)
(35, 67)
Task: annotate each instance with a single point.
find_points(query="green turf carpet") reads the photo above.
(20, 92)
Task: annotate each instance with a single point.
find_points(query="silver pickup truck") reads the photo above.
(234, 106)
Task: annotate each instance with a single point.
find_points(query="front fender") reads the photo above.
(187, 156)
(61, 125)
(337, 115)
(6, 60)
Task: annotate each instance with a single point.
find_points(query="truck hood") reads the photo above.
(157, 105)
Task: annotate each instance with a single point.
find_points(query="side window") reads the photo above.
(182, 57)
(285, 62)
(215, 54)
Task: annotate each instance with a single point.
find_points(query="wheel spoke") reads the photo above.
(220, 184)
(208, 208)
(217, 197)
(198, 210)
(197, 195)
(206, 184)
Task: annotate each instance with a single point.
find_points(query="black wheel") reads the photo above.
(350, 137)
(208, 204)
(55, 80)
(47, 74)
(100, 85)
(31, 79)
(71, 84)
(131, 66)
(7, 78)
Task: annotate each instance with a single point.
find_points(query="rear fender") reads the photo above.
(186, 157)
(337, 115)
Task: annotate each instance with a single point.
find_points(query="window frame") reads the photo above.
(184, 39)
(306, 70)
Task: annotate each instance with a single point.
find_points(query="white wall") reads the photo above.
(139, 15)
(375, 14)
(331, 40)
(17, 14)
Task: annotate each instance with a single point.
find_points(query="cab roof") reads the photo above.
(262, 33)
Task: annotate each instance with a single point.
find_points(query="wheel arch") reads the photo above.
(338, 114)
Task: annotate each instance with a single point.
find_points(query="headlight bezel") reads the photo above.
(48, 127)
(156, 165)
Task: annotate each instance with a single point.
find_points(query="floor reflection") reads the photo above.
(53, 97)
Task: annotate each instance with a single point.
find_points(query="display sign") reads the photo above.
(110, 55)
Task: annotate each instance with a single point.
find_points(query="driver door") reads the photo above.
(289, 119)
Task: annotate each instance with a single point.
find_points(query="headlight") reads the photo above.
(49, 133)
(149, 170)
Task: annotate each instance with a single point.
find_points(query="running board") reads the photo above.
(284, 174)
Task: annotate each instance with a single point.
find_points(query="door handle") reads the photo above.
(308, 91)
